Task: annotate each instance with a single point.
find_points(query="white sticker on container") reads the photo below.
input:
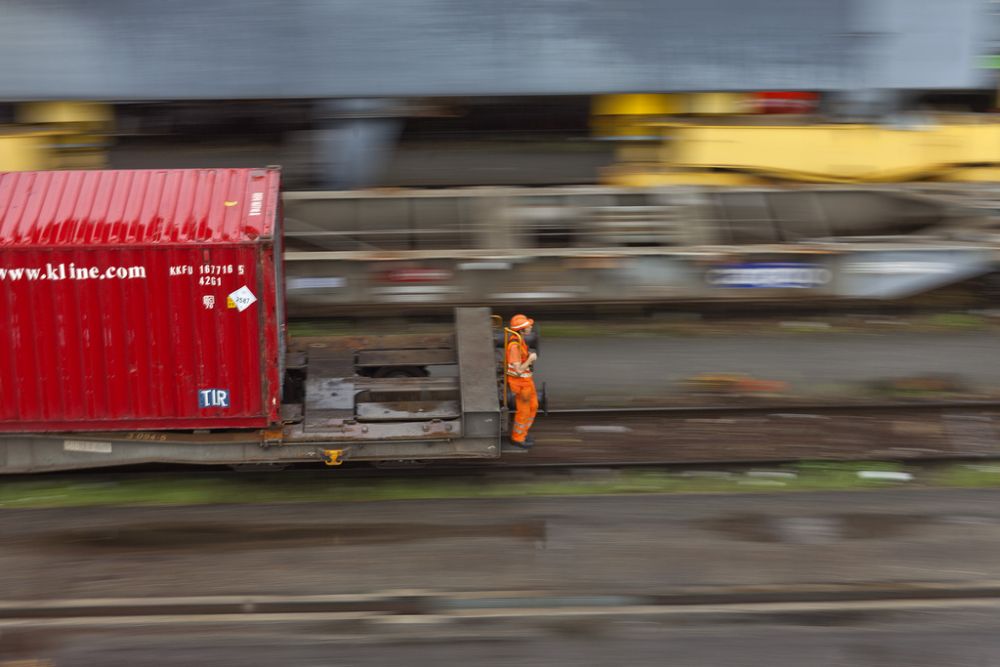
(256, 204)
(242, 298)
(87, 446)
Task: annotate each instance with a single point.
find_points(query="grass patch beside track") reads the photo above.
(233, 488)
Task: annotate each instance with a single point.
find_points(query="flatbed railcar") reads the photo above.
(335, 410)
(144, 322)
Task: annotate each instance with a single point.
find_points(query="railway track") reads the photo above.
(707, 435)
(777, 408)
(765, 433)
(386, 610)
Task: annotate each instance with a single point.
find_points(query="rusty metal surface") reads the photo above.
(418, 357)
(337, 394)
(350, 430)
(342, 406)
(400, 410)
(328, 400)
(407, 384)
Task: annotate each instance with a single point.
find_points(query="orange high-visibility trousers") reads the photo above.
(526, 399)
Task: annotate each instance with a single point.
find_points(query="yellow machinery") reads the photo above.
(22, 150)
(670, 142)
(57, 135)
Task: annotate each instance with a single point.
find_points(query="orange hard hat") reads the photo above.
(520, 321)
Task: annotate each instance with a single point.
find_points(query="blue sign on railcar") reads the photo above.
(777, 275)
(213, 398)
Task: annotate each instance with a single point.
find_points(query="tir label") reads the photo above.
(213, 398)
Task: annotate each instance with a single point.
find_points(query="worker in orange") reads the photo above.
(519, 362)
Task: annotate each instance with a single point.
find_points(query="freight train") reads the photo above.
(144, 321)
(385, 251)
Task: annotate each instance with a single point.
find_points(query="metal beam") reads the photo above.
(132, 50)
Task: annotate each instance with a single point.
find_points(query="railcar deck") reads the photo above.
(366, 398)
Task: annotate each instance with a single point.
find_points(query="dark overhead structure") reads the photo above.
(132, 50)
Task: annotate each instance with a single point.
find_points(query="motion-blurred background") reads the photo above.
(754, 234)
(630, 153)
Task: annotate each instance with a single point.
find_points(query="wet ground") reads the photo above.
(965, 638)
(612, 546)
(640, 544)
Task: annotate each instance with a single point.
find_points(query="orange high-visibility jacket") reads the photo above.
(517, 352)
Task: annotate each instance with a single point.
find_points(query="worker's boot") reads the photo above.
(527, 443)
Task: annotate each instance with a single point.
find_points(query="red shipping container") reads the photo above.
(134, 300)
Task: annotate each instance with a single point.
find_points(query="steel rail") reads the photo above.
(500, 604)
(776, 408)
